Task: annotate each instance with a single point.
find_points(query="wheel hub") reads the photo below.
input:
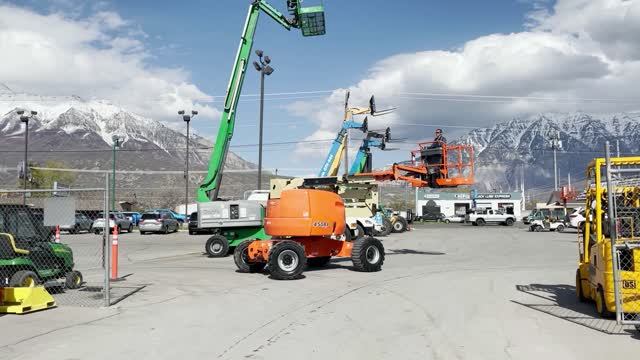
(373, 254)
(288, 260)
(216, 247)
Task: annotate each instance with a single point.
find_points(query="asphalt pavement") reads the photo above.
(445, 292)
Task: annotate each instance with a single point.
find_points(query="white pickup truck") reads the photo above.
(480, 218)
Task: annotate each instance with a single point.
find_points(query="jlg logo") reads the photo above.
(320, 224)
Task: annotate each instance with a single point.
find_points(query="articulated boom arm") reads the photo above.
(363, 161)
(210, 187)
(332, 162)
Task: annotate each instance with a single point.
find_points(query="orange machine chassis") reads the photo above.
(313, 246)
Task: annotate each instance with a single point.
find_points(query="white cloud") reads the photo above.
(99, 56)
(580, 49)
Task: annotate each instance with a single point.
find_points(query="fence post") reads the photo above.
(613, 233)
(106, 247)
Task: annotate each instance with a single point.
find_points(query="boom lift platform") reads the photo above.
(432, 166)
(609, 248)
(235, 221)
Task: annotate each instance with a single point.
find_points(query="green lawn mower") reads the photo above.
(40, 263)
(27, 257)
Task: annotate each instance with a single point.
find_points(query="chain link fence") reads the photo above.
(52, 238)
(623, 196)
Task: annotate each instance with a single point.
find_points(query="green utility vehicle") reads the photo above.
(27, 256)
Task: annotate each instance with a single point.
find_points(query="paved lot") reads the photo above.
(446, 291)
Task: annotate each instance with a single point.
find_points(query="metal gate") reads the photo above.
(623, 193)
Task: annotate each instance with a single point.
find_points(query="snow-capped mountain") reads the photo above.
(79, 134)
(504, 149)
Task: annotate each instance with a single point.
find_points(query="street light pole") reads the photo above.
(264, 69)
(187, 119)
(25, 172)
(116, 145)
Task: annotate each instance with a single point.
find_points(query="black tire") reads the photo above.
(166, 230)
(217, 246)
(474, 223)
(367, 254)
(509, 222)
(537, 228)
(560, 228)
(360, 232)
(24, 278)
(480, 222)
(287, 260)
(241, 258)
(319, 261)
(96, 231)
(347, 233)
(191, 232)
(446, 221)
(579, 289)
(400, 225)
(601, 305)
(143, 232)
(75, 230)
(387, 227)
(581, 228)
(73, 279)
(130, 229)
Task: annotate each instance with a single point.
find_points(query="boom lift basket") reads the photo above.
(310, 19)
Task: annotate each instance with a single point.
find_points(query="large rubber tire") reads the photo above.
(367, 254)
(509, 222)
(24, 278)
(347, 234)
(601, 305)
(400, 225)
(217, 246)
(73, 279)
(241, 258)
(287, 260)
(360, 232)
(480, 222)
(579, 289)
(318, 261)
(387, 227)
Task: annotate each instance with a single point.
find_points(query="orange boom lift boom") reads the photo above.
(436, 167)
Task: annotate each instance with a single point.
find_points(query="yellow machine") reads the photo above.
(609, 262)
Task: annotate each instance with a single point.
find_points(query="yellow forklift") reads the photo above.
(609, 248)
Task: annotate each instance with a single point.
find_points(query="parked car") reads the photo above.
(180, 217)
(133, 216)
(432, 217)
(115, 219)
(490, 216)
(577, 219)
(82, 223)
(454, 218)
(158, 222)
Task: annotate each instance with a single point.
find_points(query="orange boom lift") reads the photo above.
(306, 228)
(439, 167)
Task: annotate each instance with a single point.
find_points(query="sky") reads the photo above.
(456, 65)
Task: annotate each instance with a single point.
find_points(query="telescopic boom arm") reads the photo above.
(310, 20)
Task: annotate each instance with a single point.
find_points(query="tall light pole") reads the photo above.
(264, 69)
(556, 144)
(117, 143)
(25, 120)
(187, 118)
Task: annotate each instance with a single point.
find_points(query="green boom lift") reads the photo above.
(235, 221)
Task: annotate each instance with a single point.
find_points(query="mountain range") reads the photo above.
(523, 146)
(79, 134)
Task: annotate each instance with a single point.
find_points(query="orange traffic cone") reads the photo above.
(114, 254)
(57, 233)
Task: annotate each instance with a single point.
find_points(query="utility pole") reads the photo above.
(25, 120)
(187, 119)
(264, 69)
(116, 145)
(555, 144)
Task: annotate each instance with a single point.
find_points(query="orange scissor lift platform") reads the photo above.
(438, 167)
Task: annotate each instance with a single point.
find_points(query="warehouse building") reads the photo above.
(457, 204)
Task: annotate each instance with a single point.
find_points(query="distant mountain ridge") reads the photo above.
(503, 149)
